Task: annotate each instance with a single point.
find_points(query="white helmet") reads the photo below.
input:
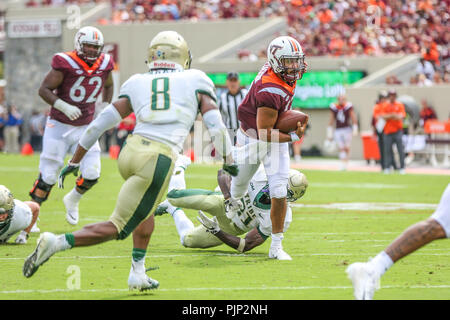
(281, 49)
(167, 50)
(92, 36)
(297, 184)
(6, 204)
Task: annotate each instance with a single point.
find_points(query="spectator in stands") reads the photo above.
(426, 113)
(393, 80)
(126, 126)
(37, 126)
(393, 112)
(422, 81)
(12, 129)
(437, 78)
(425, 67)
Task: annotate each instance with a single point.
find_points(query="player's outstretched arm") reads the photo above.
(107, 119)
(35, 208)
(224, 181)
(218, 131)
(252, 239)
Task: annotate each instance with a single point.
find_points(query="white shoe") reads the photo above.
(22, 237)
(387, 171)
(279, 254)
(364, 279)
(35, 228)
(402, 171)
(44, 250)
(71, 210)
(139, 280)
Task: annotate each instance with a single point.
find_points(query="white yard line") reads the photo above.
(265, 288)
(369, 206)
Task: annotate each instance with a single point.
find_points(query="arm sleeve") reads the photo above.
(107, 119)
(218, 131)
(127, 90)
(205, 85)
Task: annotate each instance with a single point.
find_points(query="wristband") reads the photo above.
(294, 136)
(241, 246)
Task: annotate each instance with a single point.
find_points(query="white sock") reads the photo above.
(177, 180)
(381, 263)
(276, 239)
(74, 195)
(138, 266)
(61, 243)
(182, 223)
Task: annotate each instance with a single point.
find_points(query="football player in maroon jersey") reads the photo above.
(71, 88)
(344, 119)
(270, 94)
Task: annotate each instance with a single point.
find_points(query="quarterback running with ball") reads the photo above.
(72, 88)
(269, 96)
(253, 220)
(166, 101)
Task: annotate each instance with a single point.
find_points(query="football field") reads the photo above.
(343, 218)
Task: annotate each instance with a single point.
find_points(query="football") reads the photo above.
(287, 121)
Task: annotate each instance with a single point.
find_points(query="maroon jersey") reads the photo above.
(267, 90)
(82, 84)
(342, 114)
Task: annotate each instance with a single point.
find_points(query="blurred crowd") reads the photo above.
(340, 27)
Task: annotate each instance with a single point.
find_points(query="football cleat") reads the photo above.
(71, 210)
(35, 228)
(364, 279)
(44, 250)
(279, 254)
(140, 281)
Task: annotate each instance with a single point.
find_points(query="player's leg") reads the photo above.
(51, 160)
(365, 276)
(388, 154)
(90, 168)
(398, 140)
(276, 165)
(177, 181)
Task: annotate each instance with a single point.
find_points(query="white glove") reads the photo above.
(355, 130)
(22, 237)
(212, 225)
(69, 110)
(330, 133)
(231, 208)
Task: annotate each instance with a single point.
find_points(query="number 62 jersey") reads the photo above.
(165, 102)
(81, 85)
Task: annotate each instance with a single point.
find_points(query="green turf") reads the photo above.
(321, 241)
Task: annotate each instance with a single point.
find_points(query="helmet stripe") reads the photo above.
(294, 45)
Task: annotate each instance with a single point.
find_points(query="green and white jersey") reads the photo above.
(21, 219)
(165, 103)
(255, 212)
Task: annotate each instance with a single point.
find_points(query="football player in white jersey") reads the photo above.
(253, 218)
(166, 101)
(16, 216)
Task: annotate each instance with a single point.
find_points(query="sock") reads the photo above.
(381, 263)
(182, 223)
(74, 195)
(65, 241)
(177, 180)
(276, 239)
(138, 254)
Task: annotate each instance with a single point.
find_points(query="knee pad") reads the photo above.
(41, 185)
(279, 190)
(85, 184)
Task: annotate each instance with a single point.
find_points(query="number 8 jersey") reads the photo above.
(82, 84)
(165, 103)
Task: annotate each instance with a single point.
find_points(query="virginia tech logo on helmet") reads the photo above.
(274, 48)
